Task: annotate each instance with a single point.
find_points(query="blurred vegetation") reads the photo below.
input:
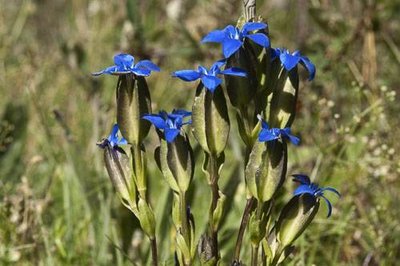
(57, 206)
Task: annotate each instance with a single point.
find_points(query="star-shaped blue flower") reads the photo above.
(209, 78)
(113, 141)
(232, 38)
(290, 60)
(270, 134)
(125, 64)
(169, 123)
(306, 187)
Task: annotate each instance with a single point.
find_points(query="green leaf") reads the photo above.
(146, 218)
(218, 211)
(183, 247)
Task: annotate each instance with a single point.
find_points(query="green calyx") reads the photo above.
(210, 120)
(266, 169)
(133, 101)
(176, 162)
(295, 218)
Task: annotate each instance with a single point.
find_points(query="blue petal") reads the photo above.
(215, 68)
(331, 189)
(234, 71)
(170, 134)
(309, 66)
(181, 112)
(113, 137)
(260, 39)
(329, 206)
(122, 141)
(275, 53)
(303, 179)
(211, 82)
(303, 189)
(187, 75)
(230, 31)
(252, 26)
(141, 72)
(124, 61)
(202, 70)
(289, 61)
(267, 135)
(230, 46)
(287, 133)
(295, 140)
(108, 70)
(147, 64)
(214, 36)
(156, 120)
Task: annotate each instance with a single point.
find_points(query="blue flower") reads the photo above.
(306, 187)
(113, 141)
(125, 64)
(170, 123)
(209, 78)
(289, 61)
(232, 38)
(270, 134)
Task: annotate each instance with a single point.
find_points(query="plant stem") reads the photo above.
(254, 255)
(214, 176)
(153, 244)
(183, 211)
(138, 169)
(242, 228)
(254, 249)
(249, 9)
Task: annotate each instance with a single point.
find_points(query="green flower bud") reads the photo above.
(295, 218)
(241, 90)
(281, 109)
(210, 120)
(118, 169)
(133, 101)
(266, 169)
(176, 162)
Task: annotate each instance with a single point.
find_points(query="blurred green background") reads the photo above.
(57, 206)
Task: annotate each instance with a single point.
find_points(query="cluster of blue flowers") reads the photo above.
(232, 39)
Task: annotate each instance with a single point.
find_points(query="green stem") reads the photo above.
(153, 244)
(242, 228)
(184, 218)
(214, 176)
(138, 169)
(254, 255)
(254, 249)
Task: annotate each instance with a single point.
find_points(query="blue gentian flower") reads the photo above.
(232, 38)
(170, 123)
(113, 141)
(270, 134)
(306, 187)
(125, 64)
(290, 60)
(209, 78)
